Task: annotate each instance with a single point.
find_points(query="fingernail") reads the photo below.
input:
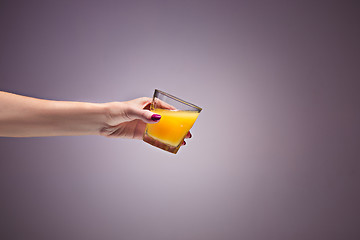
(155, 117)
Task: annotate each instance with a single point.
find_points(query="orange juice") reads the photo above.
(172, 127)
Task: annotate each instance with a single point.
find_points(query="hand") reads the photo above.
(129, 119)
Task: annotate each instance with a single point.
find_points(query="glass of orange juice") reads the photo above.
(177, 118)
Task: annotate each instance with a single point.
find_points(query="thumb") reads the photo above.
(145, 115)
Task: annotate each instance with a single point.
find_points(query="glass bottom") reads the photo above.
(163, 146)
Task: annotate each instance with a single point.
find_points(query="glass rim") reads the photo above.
(177, 99)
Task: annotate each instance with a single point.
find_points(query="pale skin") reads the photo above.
(22, 116)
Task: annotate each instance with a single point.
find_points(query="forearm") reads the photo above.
(30, 117)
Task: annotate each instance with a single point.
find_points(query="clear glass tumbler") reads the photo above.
(177, 118)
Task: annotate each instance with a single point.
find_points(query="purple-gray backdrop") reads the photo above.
(275, 153)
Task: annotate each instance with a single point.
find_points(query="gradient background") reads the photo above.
(275, 153)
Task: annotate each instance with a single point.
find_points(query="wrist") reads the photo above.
(97, 117)
(76, 118)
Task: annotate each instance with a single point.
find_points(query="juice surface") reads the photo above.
(172, 127)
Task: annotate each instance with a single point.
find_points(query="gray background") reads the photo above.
(275, 152)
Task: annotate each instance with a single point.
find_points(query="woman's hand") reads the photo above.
(129, 119)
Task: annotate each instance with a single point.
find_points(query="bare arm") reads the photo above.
(22, 116)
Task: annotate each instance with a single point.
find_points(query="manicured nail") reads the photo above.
(155, 117)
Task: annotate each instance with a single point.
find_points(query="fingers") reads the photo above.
(145, 103)
(149, 117)
(141, 109)
(161, 104)
(144, 115)
(188, 135)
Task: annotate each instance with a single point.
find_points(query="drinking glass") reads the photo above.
(177, 118)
